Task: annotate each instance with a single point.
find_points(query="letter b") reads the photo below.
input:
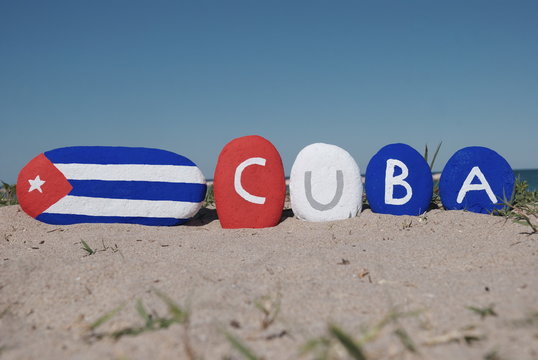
(391, 181)
(409, 192)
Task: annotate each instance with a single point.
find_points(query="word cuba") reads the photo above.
(325, 182)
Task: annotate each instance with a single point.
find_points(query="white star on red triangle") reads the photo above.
(36, 184)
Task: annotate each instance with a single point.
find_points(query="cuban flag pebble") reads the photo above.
(102, 184)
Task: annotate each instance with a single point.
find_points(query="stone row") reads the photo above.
(157, 187)
(325, 183)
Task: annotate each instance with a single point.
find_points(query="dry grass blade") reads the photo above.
(468, 335)
(521, 215)
(530, 320)
(270, 308)
(391, 317)
(492, 355)
(522, 207)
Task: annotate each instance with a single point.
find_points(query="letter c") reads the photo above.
(237, 181)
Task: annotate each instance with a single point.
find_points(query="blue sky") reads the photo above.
(189, 76)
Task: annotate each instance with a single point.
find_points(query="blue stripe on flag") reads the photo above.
(115, 155)
(69, 219)
(139, 190)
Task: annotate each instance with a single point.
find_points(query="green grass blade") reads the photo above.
(241, 348)
(87, 247)
(353, 349)
(319, 347)
(130, 331)
(435, 155)
(179, 315)
(426, 152)
(405, 339)
(104, 318)
(483, 312)
(8, 194)
(144, 314)
(209, 196)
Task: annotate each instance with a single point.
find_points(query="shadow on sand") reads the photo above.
(206, 216)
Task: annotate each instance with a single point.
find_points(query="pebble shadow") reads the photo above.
(204, 217)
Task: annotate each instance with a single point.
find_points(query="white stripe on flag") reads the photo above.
(80, 205)
(132, 172)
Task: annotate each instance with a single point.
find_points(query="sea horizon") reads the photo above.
(528, 175)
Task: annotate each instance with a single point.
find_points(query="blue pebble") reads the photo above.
(398, 181)
(476, 179)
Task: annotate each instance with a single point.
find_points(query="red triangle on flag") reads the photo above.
(40, 184)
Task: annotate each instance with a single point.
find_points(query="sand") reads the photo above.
(305, 276)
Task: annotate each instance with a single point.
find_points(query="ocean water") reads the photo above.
(529, 175)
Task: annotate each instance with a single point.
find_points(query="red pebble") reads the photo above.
(249, 184)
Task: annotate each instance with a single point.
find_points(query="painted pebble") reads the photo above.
(249, 184)
(398, 181)
(325, 184)
(476, 179)
(102, 184)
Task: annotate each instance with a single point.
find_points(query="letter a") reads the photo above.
(469, 186)
(391, 181)
(237, 181)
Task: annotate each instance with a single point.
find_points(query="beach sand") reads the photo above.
(273, 289)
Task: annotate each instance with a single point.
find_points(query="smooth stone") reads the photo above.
(398, 181)
(476, 179)
(325, 184)
(249, 184)
(105, 184)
